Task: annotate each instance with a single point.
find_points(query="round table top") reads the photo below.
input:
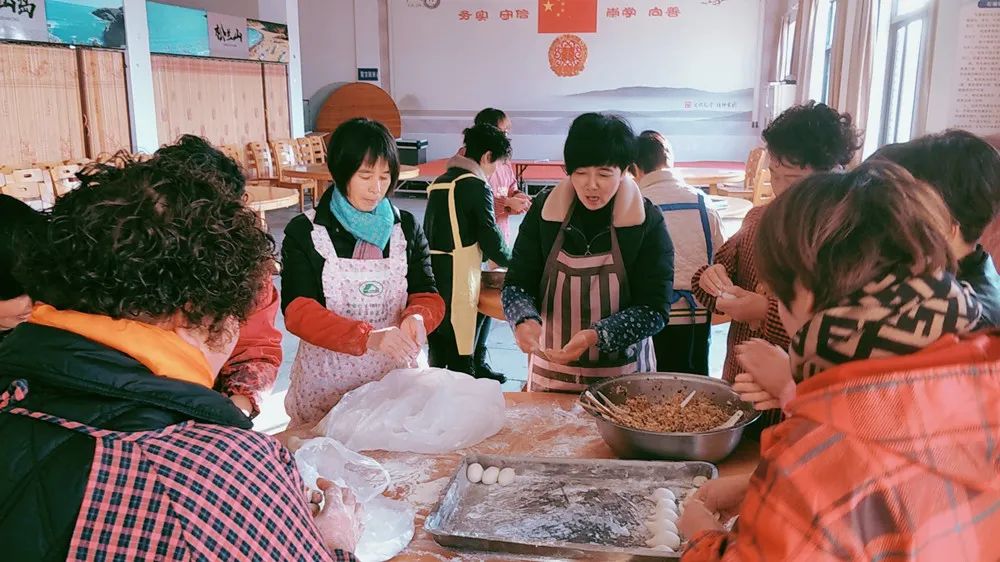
(711, 176)
(320, 172)
(730, 207)
(538, 424)
(262, 198)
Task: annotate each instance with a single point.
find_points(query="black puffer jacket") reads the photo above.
(44, 468)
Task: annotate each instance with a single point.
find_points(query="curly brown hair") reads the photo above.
(146, 241)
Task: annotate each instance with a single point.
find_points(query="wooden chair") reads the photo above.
(64, 179)
(762, 192)
(756, 162)
(311, 150)
(286, 156)
(233, 151)
(30, 185)
(78, 162)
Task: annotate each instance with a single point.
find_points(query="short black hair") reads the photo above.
(652, 151)
(813, 135)
(490, 116)
(147, 241)
(483, 138)
(16, 218)
(196, 155)
(962, 167)
(359, 142)
(598, 139)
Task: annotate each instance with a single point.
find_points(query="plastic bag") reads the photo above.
(326, 457)
(388, 524)
(428, 411)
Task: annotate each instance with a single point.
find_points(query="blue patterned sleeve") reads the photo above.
(627, 327)
(518, 305)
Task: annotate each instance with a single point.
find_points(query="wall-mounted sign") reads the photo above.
(367, 75)
(23, 20)
(268, 41)
(227, 36)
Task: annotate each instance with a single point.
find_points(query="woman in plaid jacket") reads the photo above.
(113, 444)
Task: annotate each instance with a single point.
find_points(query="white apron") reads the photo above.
(373, 291)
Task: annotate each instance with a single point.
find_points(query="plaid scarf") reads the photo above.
(886, 318)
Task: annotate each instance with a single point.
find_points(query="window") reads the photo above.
(786, 47)
(905, 60)
(819, 77)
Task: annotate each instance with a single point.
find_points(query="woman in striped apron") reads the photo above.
(590, 281)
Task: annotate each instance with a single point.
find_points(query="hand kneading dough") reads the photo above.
(506, 476)
(490, 475)
(475, 473)
(661, 494)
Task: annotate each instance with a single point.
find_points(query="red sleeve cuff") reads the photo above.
(707, 546)
(430, 306)
(312, 322)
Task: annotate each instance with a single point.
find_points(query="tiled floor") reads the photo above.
(504, 356)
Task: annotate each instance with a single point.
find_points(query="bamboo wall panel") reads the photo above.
(276, 101)
(40, 114)
(220, 100)
(105, 101)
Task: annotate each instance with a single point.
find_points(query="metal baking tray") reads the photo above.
(568, 508)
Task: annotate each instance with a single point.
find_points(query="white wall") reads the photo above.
(244, 8)
(328, 49)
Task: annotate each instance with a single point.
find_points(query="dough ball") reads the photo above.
(506, 477)
(667, 539)
(663, 548)
(661, 494)
(699, 481)
(490, 475)
(666, 525)
(666, 509)
(475, 473)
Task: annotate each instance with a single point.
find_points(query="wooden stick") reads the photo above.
(594, 402)
(688, 399)
(611, 405)
(731, 421)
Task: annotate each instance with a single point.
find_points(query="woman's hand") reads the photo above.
(715, 280)
(724, 495)
(394, 343)
(341, 520)
(242, 402)
(752, 392)
(768, 366)
(742, 305)
(518, 204)
(696, 519)
(574, 348)
(413, 327)
(528, 335)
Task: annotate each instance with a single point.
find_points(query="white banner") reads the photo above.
(687, 68)
(227, 36)
(23, 20)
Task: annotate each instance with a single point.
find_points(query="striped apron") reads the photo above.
(702, 209)
(577, 292)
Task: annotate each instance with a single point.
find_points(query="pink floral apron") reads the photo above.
(373, 291)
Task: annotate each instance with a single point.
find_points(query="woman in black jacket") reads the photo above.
(16, 217)
(356, 282)
(590, 280)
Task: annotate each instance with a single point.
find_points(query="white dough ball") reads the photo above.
(661, 494)
(666, 525)
(699, 481)
(666, 508)
(490, 475)
(475, 473)
(506, 476)
(667, 539)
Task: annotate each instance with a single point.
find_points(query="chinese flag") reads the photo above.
(567, 16)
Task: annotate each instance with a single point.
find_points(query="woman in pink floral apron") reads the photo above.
(356, 282)
(590, 281)
(113, 444)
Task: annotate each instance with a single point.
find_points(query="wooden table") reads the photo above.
(539, 424)
(711, 177)
(521, 166)
(731, 207)
(262, 198)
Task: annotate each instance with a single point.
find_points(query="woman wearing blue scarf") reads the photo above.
(356, 283)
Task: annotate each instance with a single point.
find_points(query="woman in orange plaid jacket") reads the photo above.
(890, 446)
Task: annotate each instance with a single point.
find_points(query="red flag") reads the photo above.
(567, 16)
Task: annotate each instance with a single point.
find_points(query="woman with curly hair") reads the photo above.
(252, 368)
(801, 141)
(113, 444)
(15, 218)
